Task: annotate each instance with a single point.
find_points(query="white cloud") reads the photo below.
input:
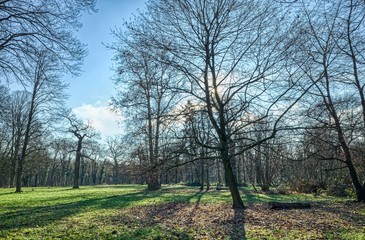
(100, 117)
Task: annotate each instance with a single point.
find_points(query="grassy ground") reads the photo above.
(175, 212)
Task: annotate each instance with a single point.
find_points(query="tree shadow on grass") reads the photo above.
(238, 225)
(31, 217)
(249, 197)
(196, 217)
(199, 196)
(6, 193)
(173, 204)
(347, 212)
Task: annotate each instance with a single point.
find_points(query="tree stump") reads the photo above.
(288, 205)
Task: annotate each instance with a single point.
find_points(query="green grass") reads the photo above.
(110, 212)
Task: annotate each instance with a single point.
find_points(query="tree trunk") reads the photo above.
(201, 174)
(36, 180)
(77, 164)
(94, 173)
(360, 191)
(153, 182)
(14, 158)
(219, 173)
(231, 181)
(18, 180)
(26, 136)
(53, 171)
(101, 174)
(207, 177)
(176, 176)
(116, 172)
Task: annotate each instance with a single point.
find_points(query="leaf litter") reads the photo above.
(220, 221)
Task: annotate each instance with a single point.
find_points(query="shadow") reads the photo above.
(347, 212)
(31, 217)
(7, 193)
(199, 196)
(172, 203)
(249, 196)
(252, 196)
(168, 214)
(238, 226)
(121, 186)
(43, 215)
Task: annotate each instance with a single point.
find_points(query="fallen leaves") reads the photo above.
(220, 221)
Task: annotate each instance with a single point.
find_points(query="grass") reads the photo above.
(175, 212)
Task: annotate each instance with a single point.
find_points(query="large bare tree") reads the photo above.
(332, 58)
(46, 95)
(228, 56)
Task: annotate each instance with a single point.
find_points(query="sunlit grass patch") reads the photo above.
(347, 234)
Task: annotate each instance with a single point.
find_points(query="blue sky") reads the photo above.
(91, 91)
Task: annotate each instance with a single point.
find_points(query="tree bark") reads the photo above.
(26, 136)
(231, 181)
(116, 171)
(77, 163)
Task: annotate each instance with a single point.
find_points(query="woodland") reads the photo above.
(222, 98)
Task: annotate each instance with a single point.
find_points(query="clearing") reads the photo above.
(175, 212)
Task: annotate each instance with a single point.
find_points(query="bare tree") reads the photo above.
(332, 58)
(145, 96)
(116, 150)
(81, 131)
(26, 25)
(228, 56)
(18, 113)
(45, 94)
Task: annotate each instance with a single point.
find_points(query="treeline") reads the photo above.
(296, 163)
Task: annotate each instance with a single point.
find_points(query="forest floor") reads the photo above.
(174, 212)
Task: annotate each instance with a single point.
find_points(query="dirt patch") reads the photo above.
(317, 222)
(220, 221)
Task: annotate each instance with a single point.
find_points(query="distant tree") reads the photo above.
(81, 131)
(19, 106)
(36, 46)
(95, 153)
(197, 133)
(145, 95)
(66, 147)
(116, 150)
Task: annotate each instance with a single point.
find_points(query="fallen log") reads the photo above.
(288, 205)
